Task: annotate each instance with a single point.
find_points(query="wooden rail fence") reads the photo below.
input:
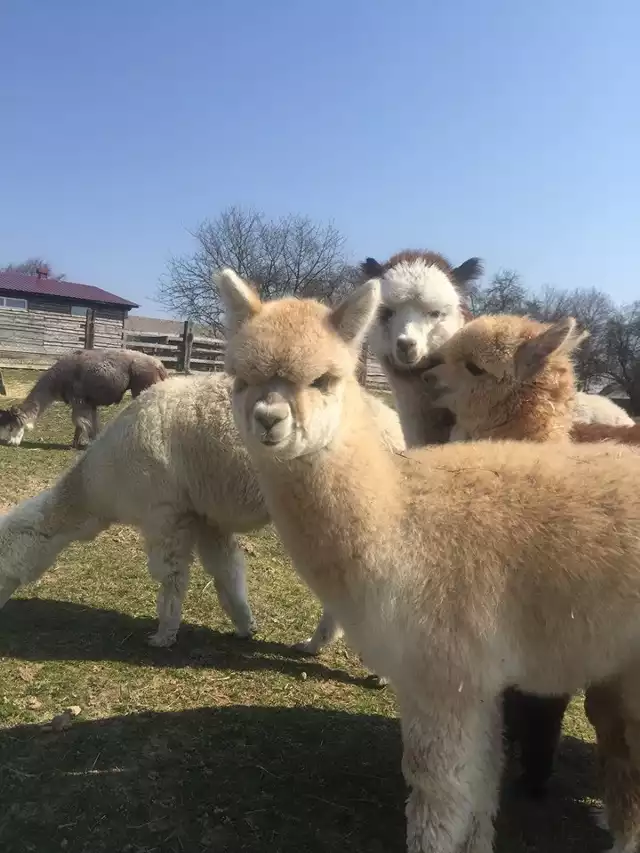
(188, 353)
(181, 353)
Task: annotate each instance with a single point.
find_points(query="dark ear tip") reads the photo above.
(371, 267)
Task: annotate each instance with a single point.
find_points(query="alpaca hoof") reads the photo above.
(246, 633)
(307, 647)
(161, 641)
(378, 681)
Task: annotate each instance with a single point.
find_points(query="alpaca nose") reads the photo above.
(269, 415)
(407, 349)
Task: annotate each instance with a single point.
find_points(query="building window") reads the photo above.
(79, 310)
(11, 302)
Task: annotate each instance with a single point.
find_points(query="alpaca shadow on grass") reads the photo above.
(44, 629)
(44, 445)
(250, 779)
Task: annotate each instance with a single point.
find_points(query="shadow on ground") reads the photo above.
(44, 629)
(244, 779)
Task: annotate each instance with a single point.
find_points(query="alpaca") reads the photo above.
(596, 409)
(423, 305)
(172, 465)
(457, 570)
(482, 382)
(84, 379)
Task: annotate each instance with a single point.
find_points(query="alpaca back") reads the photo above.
(176, 443)
(593, 408)
(621, 434)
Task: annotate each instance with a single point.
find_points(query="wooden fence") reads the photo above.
(189, 353)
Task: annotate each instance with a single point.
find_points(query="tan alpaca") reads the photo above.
(481, 380)
(457, 570)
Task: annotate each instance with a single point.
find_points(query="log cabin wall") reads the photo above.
(49, 328)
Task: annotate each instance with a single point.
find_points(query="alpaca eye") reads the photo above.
(385, 314)
(473, 368)
(239, 385)
(436, 314)
(322, 383)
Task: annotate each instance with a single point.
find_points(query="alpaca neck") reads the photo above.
(539, 412)
(422, 423)
(36, 403)
(329, 506)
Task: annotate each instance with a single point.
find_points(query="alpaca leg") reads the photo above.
(613, 709)
(223, 560)
(451, 761)
(326, 633)
(81, 415)
(170, 551)
(535, 723)
(34, 532)
(7, 587)
(95, 423)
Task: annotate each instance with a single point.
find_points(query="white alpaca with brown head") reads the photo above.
(456, 571)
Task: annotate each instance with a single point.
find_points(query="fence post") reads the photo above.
(90, 328)
(187, 346)
(361, 371)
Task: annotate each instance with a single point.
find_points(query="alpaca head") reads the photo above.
(291, 360)
(422, 304)
(496, 362)
(12, 425)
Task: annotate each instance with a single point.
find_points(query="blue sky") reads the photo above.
(508, 130)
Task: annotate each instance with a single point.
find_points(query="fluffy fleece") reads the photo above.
(172, 465)
(510, 377)
(423, 303)
(84, 380)
(457, 571)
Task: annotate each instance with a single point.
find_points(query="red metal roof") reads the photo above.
(31, 284)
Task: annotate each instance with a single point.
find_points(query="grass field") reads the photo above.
(218, 744)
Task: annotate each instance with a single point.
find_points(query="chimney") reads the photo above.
(43, 271)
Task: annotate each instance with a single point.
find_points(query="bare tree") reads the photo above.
(593, 310)
(288, 256)
(623, 351)
(504, 294)
(31, 267)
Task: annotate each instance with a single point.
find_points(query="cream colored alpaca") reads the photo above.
(456, 571)
(172, 465)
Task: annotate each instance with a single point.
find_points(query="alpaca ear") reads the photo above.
(240, 301)
(470, 270)
(532, 355)
(371, 268)
(353, 316)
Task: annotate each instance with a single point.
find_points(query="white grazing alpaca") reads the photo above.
(172, 465)
(457, 571)
(422, 306)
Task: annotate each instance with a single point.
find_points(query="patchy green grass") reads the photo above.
(218, 744)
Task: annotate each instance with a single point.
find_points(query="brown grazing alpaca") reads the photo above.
(84, 380)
